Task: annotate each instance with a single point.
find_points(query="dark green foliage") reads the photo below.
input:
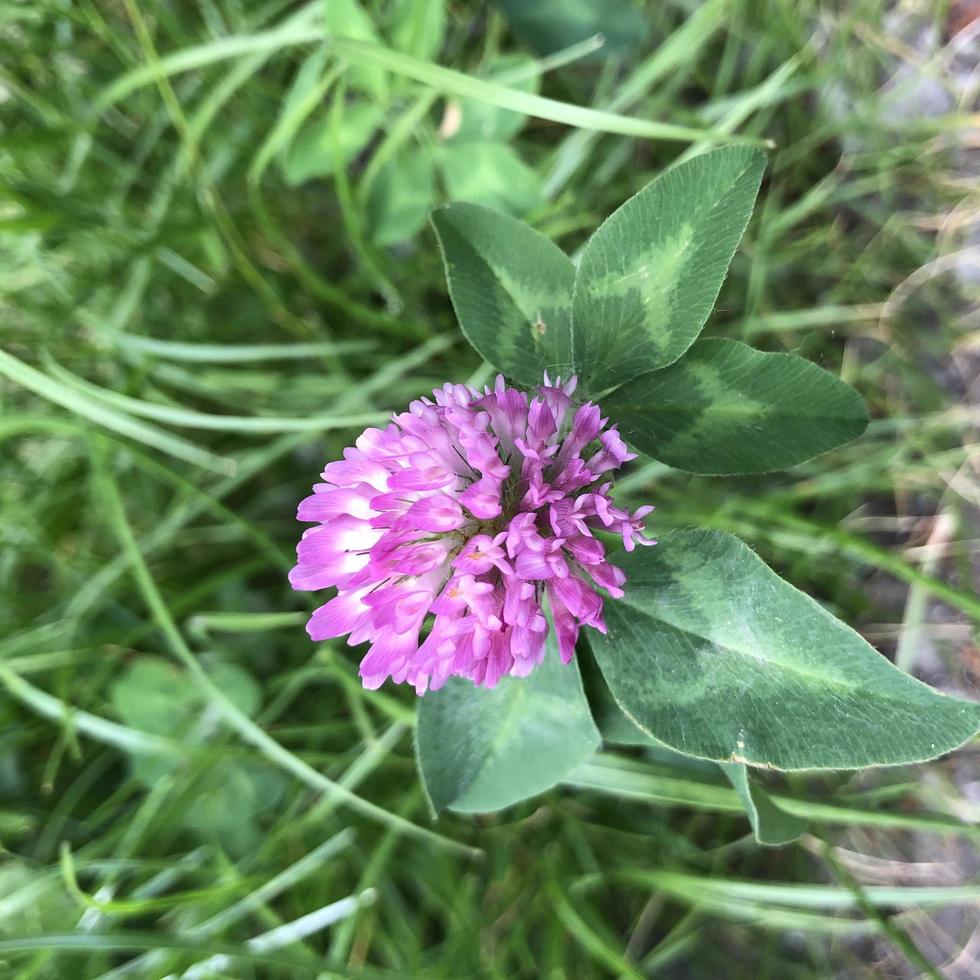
(162, 211)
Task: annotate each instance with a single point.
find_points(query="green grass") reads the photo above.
(187, 338)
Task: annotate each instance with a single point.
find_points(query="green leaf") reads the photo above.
(241, 688)
(416, 27)
(347, 19)
(615, 727)
(233, 795)
(312, 152)
(401, 197)
(306, 80)
(304, 98)
(477, 120)
(154, 696)
(549, 25)
(712, 653)
(651, 272)
(509, 286)
(481, 750)
(492, 174)
(725, 408)
(770, 824)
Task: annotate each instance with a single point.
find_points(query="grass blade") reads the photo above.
(95, 411)
(232, 714)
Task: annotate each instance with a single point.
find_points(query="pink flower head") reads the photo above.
(447, 531)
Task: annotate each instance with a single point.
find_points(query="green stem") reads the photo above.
(234, 716)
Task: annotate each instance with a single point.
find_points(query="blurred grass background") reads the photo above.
(215, 271)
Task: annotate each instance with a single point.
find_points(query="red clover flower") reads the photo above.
(444, 532)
